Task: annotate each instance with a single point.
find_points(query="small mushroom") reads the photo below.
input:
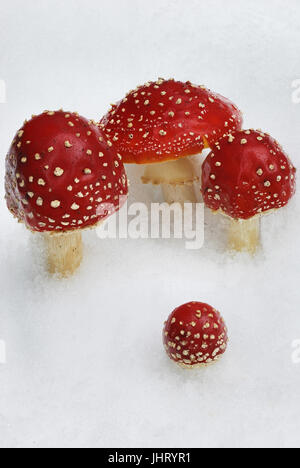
(62, 177)
(162, 122)
(195, 335)
(245, 177)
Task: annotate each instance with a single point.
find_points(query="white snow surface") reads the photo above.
(85, 363)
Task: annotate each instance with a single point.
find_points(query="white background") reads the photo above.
(85, 364)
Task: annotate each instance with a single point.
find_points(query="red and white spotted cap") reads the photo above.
(247, 174)
(62, 174)
(167, 120)
(195, 335)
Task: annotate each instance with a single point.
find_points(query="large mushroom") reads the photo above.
(247, 175)
(162, 122)
(63, 176)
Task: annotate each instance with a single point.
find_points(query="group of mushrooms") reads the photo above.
(65, 173)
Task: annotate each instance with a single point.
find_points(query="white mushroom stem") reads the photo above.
(184, 193)
(177, 179)
(64, 252)
(244, 235)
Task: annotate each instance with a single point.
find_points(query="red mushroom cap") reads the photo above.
(195, 335)
(165, 120)
(62, 174)
(247, 173)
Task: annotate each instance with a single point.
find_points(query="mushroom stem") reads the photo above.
(176, 178)
(64, 253)
(244, 235)
(184, 193)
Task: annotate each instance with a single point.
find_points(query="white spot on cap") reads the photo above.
(55, 204)
(58, 172)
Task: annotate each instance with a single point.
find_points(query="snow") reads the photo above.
(85, 363)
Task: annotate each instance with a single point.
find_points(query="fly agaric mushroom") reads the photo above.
(62, 176)
(195, 335)
(165, 121)
(246, 175)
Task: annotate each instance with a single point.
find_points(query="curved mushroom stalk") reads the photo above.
(244, 235)
(177, 179)
(64, 253)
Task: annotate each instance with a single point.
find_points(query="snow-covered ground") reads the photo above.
(85, 365)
